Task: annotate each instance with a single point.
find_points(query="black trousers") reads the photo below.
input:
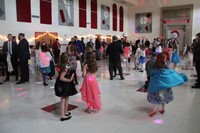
(56, 53)
(14, 65)
(24, 70)
(197, 66)
(113, 66)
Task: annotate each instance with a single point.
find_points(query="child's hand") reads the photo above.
(72, 77)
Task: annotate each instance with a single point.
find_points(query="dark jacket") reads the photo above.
(23, 50)
(196, 54)
(14, 50)
(150, 65)
(97, 44)
(78, 46)
(114, 51)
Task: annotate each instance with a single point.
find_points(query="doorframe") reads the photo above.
(190, 24)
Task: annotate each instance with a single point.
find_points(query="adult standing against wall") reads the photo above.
(114, 51)
(98, 48)
(23, 57)
(196, 60)
(10, 54)
(56, 50)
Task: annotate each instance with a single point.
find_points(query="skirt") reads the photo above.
(63, 89)
(90, 92)
(175, 58)
(162, 97)
(142, 60)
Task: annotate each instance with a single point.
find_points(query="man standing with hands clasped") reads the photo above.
(23, 57)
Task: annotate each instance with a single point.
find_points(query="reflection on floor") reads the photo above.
(125, 110)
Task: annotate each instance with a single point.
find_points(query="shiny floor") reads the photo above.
(124, 110)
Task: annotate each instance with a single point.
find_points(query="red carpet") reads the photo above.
(56, 106)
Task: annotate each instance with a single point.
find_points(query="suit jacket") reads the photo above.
(23, 50)
(14, 50)
(114, 51)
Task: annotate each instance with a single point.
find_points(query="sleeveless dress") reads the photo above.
(90, 91)
(63, 89)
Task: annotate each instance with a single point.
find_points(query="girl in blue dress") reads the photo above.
(161, 81)
(175, 57)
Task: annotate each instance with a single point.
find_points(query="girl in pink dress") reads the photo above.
(90, 89)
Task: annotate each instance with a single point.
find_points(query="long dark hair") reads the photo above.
(91, 63)
(64, 60)
(160, 61)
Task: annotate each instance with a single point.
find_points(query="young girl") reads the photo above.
(161, 81)
(72, 52)
(127, 55)
(142, 59)
(32, 60)
(175, 57)
(64, 86)
(44, 59)
(137, 57)
(37, 51)
(166, 51)
(188, 57)
(90, 89)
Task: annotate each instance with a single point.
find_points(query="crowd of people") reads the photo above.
(43, 58)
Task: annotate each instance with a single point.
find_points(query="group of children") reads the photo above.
(65, 86)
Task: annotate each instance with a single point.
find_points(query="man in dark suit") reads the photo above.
(114, 51)
(23, 57)
(10, 49)
(196, 60)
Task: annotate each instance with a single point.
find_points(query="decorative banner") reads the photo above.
(23, 10)
(82, 13)
(114, 17)
(94, 14)
(121, 19)
(45, 11)
(66, 12)
(143, 22)
(105, 17)
(2, 10)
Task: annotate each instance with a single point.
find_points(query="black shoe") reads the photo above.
(141, 71)
(45, 84)
(68, 114)
(6, 80)
(111, 78)
(196, 86)
(1, 83)
(64, 119)
(122, 78)
(20, 82)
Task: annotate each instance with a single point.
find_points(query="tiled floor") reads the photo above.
(125, 110)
